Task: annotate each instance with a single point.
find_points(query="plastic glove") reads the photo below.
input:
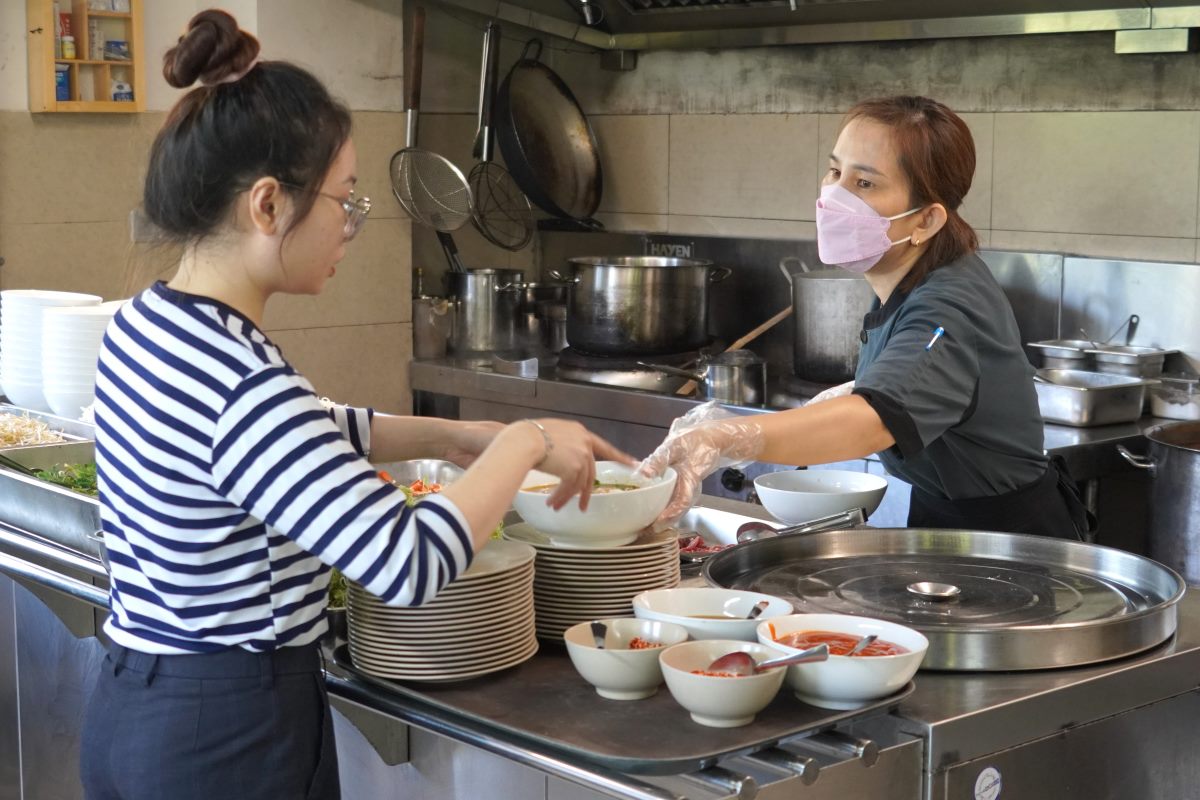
(700, 442)
(835, 391)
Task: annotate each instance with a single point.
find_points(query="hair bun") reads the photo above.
(213, 48)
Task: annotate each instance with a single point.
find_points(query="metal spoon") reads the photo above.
(1089, 338)
(742, 664)
(863, 644)
(599, 632)
(759, 607)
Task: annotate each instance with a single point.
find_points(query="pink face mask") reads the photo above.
(850, 233)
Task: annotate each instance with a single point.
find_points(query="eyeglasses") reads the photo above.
(356, 208)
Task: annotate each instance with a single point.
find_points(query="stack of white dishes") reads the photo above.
(21, 341)
(480, 623)
(71, 339)
(574, 585)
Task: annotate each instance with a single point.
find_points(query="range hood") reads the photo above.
(632, 25)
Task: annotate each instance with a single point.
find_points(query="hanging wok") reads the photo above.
(546, 140)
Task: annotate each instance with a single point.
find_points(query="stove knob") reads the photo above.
(734, 480)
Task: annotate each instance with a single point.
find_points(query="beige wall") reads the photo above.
(69, 181)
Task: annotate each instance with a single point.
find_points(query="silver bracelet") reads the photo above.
(549, 444)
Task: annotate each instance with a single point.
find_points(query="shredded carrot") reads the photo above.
(385, 476)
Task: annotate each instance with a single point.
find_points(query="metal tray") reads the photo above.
(1074, 349)
(77, 446)
(1143, 362)
(1084, 399)
(50, 511)
(544, 702)
(1024, 602)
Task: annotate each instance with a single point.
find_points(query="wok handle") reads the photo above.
(487, 93)
(558, 276)
(719, 274)
(416, 52)
(1140, 462)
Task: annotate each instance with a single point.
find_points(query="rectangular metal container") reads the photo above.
(1084, 399)
(77, 446)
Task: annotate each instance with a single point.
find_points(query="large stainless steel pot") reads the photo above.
(827, 313)
(1173, 463)
(485, 309)
(638, 305)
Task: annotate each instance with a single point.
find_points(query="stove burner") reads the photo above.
(624, 371)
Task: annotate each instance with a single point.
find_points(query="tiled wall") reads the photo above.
(68, 182)
(1102, 161)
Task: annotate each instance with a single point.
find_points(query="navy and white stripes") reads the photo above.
(227, 488)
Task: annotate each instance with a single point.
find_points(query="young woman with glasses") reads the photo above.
(228, 490)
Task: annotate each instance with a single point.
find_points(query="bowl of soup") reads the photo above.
(800, 495)
(846, 682)
(623, 503)
(720, 699)
(709, 612)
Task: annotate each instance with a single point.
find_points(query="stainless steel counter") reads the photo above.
(1090, 452)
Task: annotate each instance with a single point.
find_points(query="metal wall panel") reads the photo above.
(57, 672)
(10, 741)
(1099, 295)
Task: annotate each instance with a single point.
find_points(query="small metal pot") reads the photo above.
(639, 305)
(738, 377)
(828, 306)
(485, 309)
(534, 293)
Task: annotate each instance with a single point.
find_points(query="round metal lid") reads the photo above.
(986, 601)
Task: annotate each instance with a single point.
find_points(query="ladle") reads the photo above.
(1089, 338)
(742, 664)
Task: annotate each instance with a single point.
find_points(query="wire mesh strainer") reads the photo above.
(429, 187)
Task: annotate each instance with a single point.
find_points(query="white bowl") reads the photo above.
(842, 682)
(618, 672)
(709, 613)
(25, 394)
(800, 495)
(611, 519)
(68, 403)
(720, 702)
(19, 298)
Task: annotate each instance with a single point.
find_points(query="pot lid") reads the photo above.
(985, 601)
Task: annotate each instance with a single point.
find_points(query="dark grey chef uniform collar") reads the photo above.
(880, 314)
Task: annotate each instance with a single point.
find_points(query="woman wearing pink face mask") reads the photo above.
(943, 391)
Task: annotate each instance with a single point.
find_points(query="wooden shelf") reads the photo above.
(90, 79)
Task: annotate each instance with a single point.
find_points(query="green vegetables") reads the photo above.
(337, 589)
(76, 477)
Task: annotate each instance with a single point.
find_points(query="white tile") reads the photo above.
(1127, 173)
(735, 226)
(749, 166)
(1140, 248)
(633, 155)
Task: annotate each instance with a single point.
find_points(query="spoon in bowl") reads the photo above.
(599, 632)
(741, 664)
(863, 644)
(759, 607)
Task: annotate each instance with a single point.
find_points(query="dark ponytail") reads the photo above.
(246, 121)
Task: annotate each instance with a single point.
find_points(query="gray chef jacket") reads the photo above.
(964, 412)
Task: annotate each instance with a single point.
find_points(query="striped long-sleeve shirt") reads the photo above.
(227, 489)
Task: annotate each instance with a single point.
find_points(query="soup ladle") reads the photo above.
(741, 664)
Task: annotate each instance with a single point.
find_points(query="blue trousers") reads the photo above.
(220, 726)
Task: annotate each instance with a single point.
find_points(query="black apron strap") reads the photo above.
(1049, 506)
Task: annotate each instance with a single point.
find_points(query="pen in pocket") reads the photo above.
(937, 334)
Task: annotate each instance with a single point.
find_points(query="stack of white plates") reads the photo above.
(480, 623)
(71, 339)
(21, 341)
(575, 585)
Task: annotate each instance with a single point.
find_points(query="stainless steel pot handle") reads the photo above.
(509, 287)
(558, 276)
(719, 274)
(1141, 462)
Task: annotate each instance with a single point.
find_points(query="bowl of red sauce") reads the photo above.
(627, 667)
(845, 682)
(720, 699)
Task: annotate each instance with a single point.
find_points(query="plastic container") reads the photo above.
(68, 47)
(62, 82)
(1176, 397)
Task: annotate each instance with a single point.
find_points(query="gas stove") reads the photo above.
(626, 372)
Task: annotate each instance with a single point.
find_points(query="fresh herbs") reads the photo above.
(76, 477)
(337, 589)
